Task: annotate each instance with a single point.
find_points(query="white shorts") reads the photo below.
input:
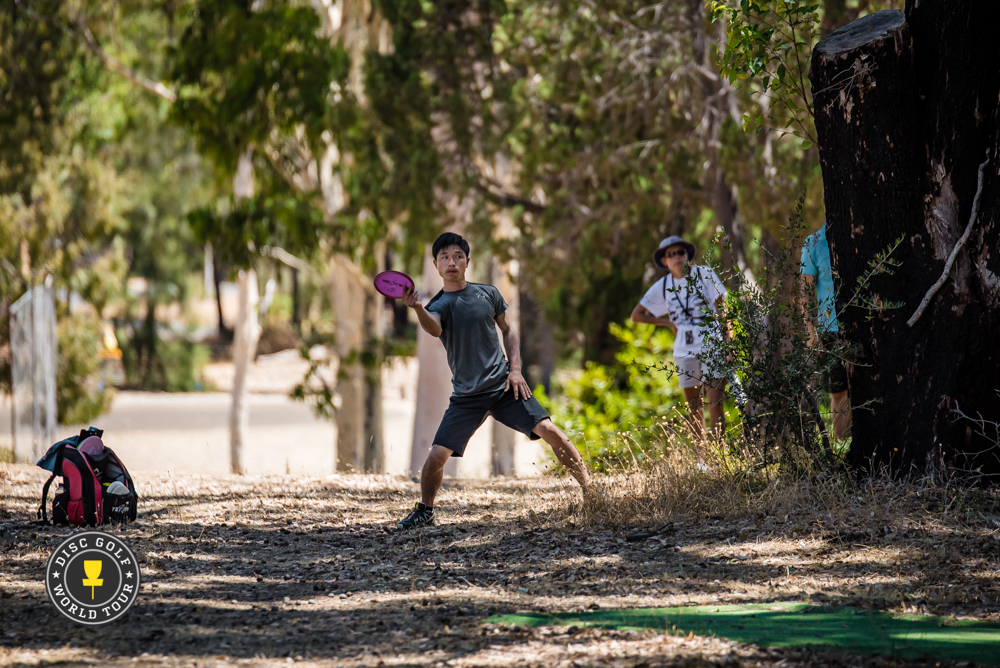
(689, 371)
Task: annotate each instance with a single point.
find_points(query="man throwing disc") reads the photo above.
(465, 317)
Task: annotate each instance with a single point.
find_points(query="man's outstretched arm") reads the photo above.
(431, 322)
(512, 345)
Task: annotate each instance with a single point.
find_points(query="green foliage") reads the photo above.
(37, 63)
(284, 221)
(60, 198)
(171, 365)
(605, 401)
(245, 72)
(257, 74)
(79, 399)
(434, 100)
(768, 45)
(182, 362)
(603, 120)
(625, 414)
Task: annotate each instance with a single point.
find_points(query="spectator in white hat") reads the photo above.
(681, 300)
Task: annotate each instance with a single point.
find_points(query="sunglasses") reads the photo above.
(675, 253)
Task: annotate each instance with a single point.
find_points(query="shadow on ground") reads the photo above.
(258, 568)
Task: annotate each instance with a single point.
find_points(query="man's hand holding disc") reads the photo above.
(411, 296)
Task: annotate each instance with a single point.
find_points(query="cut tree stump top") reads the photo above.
(861, 32)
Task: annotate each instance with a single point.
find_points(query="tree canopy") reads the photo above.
(595, 128)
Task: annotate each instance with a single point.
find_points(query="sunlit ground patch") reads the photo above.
(799, 625)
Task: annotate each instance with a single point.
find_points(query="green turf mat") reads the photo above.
(799, 625)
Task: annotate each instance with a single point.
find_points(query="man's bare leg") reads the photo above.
(565, 451)
(840, 404)
(433, 473)
(696, 411)
(717, 416)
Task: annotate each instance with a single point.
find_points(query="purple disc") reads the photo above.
(392, 283)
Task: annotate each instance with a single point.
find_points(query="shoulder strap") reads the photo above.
(128, 478)
(57, 470)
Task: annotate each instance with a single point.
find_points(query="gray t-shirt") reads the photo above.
(469, 335)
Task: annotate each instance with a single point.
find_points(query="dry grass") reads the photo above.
(681, 474)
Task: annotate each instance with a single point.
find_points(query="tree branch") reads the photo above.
(154, 87)
(495, 193)
(281, 255)
(954, 251)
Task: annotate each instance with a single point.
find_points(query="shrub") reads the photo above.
(626, 414)
(600, 407)
(79, 398)
(772, 367)
(164, 365)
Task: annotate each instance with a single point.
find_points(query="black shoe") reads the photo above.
(418, 517)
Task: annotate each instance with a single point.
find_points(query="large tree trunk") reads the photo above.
(538, 348)
(358, 27)
(358, 327)
(905, 113)
(504, 275)
(433, 377)
(505, 438)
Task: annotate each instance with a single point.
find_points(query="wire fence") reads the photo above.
(33, 367)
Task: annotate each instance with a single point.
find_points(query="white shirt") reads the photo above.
(686, 301)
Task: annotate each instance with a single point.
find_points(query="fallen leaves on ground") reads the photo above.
(256, 571)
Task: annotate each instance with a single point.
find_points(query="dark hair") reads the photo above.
(449, 239)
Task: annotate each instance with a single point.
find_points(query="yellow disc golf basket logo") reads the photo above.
(93, 578)
(93, 570)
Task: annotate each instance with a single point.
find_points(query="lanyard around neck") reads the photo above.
(674, 287)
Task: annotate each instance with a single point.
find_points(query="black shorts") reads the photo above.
(835, 377)
(466, 413)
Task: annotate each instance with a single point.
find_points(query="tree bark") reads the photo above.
(244, 346)
(505, 438)
(373, 358)
(247, 329)
(225, 333)
(905, 113)
(538, 348)
(296, 303)
(347, 296)
(433, 377)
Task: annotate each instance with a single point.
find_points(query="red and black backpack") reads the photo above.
(88, 469)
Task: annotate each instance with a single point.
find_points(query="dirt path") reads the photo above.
(266, 571)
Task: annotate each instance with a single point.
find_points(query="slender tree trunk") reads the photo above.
(244, 346)
(374, 327)
(296, 303)
(905, 113)
(504, 275)
(247, 330)
(225, 333)
(358, 27)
